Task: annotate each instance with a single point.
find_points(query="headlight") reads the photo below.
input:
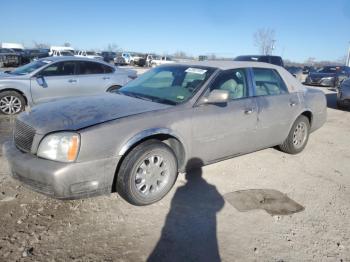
(61, 146)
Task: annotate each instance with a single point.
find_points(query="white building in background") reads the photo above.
(12, 46)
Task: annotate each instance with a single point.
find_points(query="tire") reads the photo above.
(341, 104)
(113, 88)
(16, 101)
(294, 145)
(147, 173)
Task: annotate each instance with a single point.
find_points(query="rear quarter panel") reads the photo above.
(316, 102)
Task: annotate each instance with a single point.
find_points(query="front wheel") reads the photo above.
(147, 173)
(112, 89)
(297, 137)
(11, 103)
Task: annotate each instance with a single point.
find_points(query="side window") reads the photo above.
(108, 69)
(90, 68)
(234, 81)
(268, 82)
(60, 69)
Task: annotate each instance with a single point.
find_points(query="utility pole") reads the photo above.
(273, 45)
(348, 56)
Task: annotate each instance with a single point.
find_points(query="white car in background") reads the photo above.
(89, 54)
(156, 61)
(61, 51)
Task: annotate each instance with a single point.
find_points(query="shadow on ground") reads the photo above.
(189, 233)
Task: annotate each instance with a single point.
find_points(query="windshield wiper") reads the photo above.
(149, 98)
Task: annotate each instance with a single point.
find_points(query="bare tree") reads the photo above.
(264, 39)
(212, 57)
(113, 48)
(41, 45)
(180, 54)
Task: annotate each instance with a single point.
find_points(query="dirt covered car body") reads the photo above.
(137, 140)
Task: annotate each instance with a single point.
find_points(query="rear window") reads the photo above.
(92, 68)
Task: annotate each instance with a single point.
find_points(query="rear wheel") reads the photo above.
(147, 173)
(297, 137)
(11, 103)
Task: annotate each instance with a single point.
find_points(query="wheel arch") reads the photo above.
(16, 90)
(309, 116)
(164, 135)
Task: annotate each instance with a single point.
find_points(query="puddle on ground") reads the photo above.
(272, 201)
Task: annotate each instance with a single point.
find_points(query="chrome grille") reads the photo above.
(23, 136)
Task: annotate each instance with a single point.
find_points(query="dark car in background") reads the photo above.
(8, 57)
(330, 76)
(343, 95)
(308, 69)
(296, 71)
(32, 54)
(271, 59)
(108, 56)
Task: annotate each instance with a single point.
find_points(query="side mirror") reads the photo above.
(41, 81)
(215, 97)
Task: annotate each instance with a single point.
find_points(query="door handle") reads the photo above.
(292, 104)
(248, 111)
(105, 78)
(72, 81)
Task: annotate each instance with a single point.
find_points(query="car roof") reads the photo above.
(71, 58)
(225, 65)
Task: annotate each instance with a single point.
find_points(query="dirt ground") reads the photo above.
(205, 217)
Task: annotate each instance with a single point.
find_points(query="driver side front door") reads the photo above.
(220, 131)
(56, 81)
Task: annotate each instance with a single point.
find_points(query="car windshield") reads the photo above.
(328, 69)
(168, 85)
(31, 67)
(90, 53)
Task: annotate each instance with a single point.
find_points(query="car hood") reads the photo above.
(78, 113)
(321, 75)
(6, 76)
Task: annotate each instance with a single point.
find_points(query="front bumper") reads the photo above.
(61, 180)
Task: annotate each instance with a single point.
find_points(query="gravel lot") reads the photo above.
(201, 218)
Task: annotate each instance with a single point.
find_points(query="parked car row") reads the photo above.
(52, 78)
(8, 57)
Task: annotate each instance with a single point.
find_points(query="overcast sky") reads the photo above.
(303, 29)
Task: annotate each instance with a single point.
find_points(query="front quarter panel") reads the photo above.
(114, 138)
(21, 85)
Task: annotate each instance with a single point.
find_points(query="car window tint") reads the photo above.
(276, 60)
(160, 80)
(108, 69)
(268, 82)
(60, 69)
(90, 68)
(234, 81)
